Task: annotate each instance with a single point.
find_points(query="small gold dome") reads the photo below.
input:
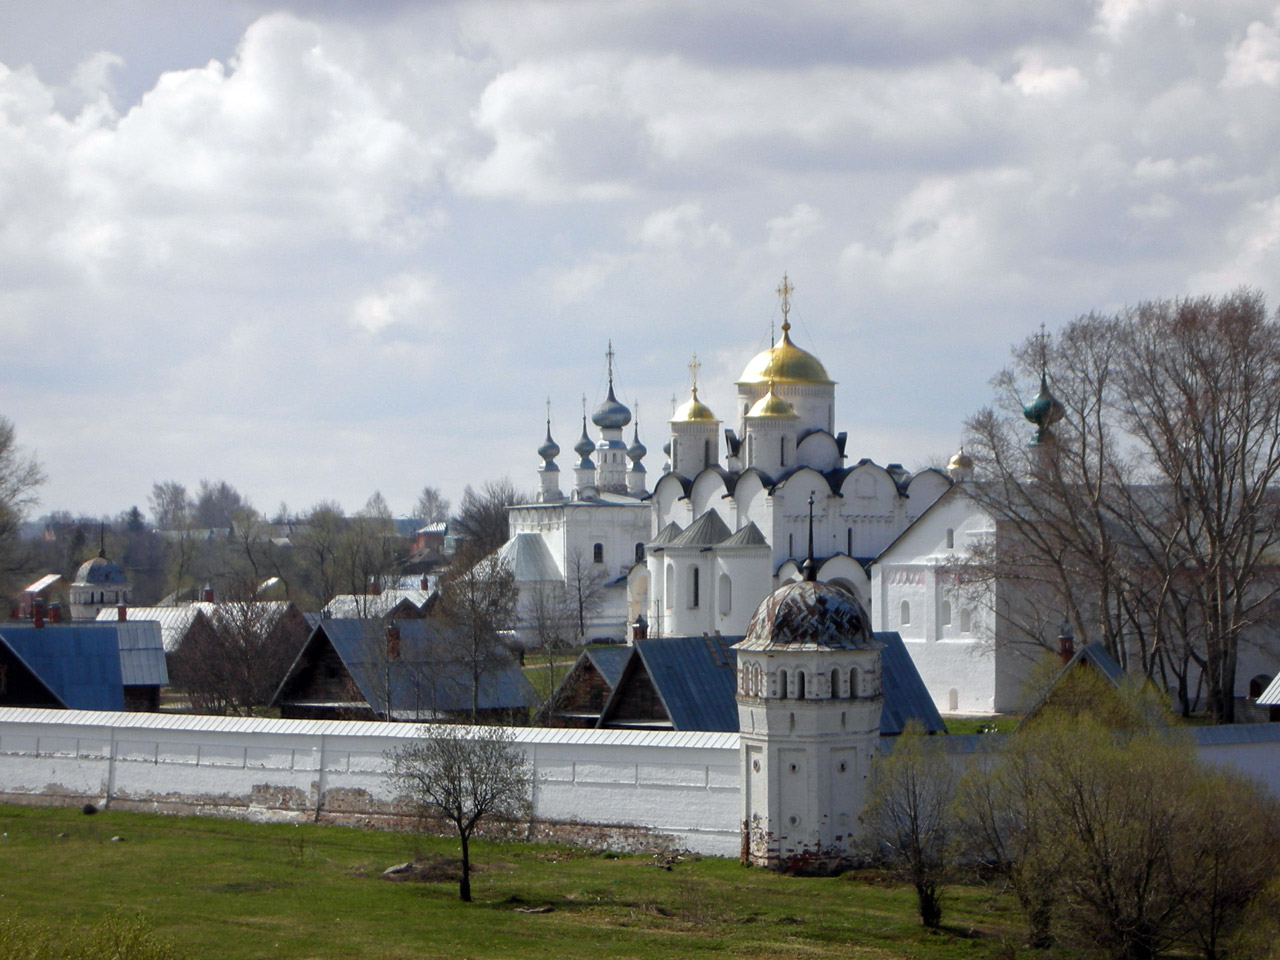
(784, 362)
(772, 405)
(961, 461)
(693, 410)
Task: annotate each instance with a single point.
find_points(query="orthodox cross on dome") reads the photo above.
(548, 413)
(694, 366)
(608, 355)
(1044, 362)
(584, 410)
(810, 568)
(674, 401)
(785, 289)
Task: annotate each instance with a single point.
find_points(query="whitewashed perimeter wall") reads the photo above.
(623, 789)
(630, 789)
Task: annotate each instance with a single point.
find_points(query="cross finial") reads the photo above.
(810, 568)
(609, 357)
(785, 289)
(1043, 353)
(636, 404)
(674, 401)
(584, 408)
(548, 413)
(694, 366)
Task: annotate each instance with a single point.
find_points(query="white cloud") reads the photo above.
(1255, 60)
(681, 226)
(411, 302)
(788, 231)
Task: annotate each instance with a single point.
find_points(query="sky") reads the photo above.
(322, 249)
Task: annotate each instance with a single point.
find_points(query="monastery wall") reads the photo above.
(621, 789)
(630, 790)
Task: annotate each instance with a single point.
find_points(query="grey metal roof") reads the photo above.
(358, 728)
(349, 605)
(695, 677)
(142, 660)
(529, 559)
(99, 572)
(706, 531)
(609, 662)
(1271, 696)
(666, 535)
(1237, 733)
(748, 536)
(429, 676)
(78, 664)
(174, 621)
(905, 695)
(47, 580)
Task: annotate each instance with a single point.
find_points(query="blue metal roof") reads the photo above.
(905, 695)
(428, 677)
(79, 664)
(139, 645)
(609, 662)
(695, 677)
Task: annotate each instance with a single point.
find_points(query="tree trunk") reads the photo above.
(464, 882)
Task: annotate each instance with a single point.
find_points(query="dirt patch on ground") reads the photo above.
(434, 869)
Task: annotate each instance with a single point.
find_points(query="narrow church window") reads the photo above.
(951, 539)
(800, 685)
(708, 456)
(782, 451)
(835, 684)
(853, 683)
(944, 614)
(904, 617)
(639, 553)
(848, 541)
(597, 553)
(694, 585)
(965, 625)
(782, 684)
(726, 594)
(953, 700)
(791, 544)
(671, 583)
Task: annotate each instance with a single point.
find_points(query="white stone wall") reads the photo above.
(680, 786)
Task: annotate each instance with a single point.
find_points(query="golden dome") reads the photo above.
(784, 362)
(961, 461)
(772, 405)
(693, 410)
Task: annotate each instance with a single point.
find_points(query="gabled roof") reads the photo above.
(428, 678)
(609, 662)
(905, 695)
(174, 621)
(137, 646)
(529, 559)
(706, 531)
(748, 536)
(78, 664)
(1271, 696)
(693, 677)
(345, 606)
(46, 581)
(1093, 655)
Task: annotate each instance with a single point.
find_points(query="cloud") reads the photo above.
(1255, 60)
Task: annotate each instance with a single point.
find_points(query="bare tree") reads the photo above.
(216, 503)
(20, 476)
(908, 816)
(479, 601)
(1146, 515)
(482, 514)
(432, 506)
(584, 587)
(318, 542)
(464, 775)
(170, 506)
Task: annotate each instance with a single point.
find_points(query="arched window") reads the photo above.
(782, 451)
(953, 700)
(671, 583)
(726, 594)
(791, 545)
(904, 615)
(944, 613)
(853, 683)
(694, 588)
(1258, 685)
(951, 538)
(782, 684)
(965, 620)
(848, 541)
(835, 684)
(597, 553)
(799, 684)
(639, 553)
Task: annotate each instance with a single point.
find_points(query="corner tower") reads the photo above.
(809, 702)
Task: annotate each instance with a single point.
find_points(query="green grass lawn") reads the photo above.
(1002, 723)
(229, 889)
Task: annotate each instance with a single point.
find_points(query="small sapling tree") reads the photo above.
(464, 775)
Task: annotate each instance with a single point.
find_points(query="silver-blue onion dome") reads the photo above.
(611, 413)
(637, 450)
(549, 449)
(585, 446)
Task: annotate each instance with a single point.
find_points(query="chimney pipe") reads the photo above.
(55, 613)
(122, 612)
(375, 586)
(208, 593)
(393, 641)
(37, 612)
(1066, 643)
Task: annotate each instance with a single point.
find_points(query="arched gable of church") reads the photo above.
(819, 450)
(924, 490)
(707, 493)
(795, 489)
(752, 500)
(847, 572)
(868, 489)
(666, 500)
(789, 572)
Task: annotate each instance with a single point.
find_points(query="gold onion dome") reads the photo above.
(960, 461)
(693, 410)
(784, 362)
(772, 405)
